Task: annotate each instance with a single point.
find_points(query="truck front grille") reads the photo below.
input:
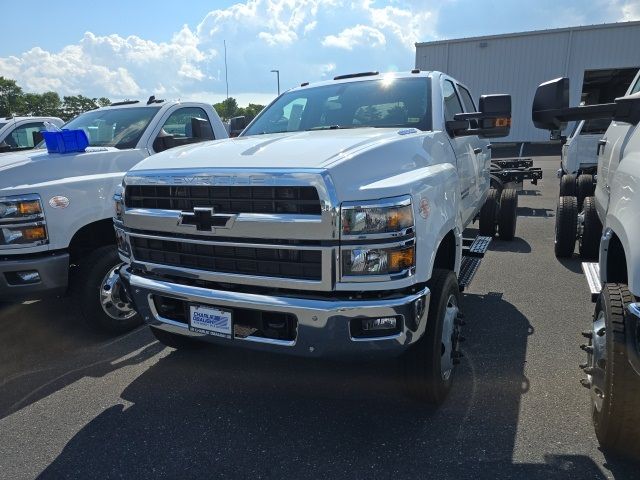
(252, 199)
(265, 262)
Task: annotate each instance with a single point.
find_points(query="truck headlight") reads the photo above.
(367, 261)
(368, 220)
(22, 221)
(20, 207)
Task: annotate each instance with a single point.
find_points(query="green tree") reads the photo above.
(10, 97)
(227, 108)
(103, 102)
(74, 105)
(250, 110)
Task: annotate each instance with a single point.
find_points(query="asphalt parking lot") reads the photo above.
(77, 404)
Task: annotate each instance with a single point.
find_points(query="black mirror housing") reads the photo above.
(550, 97)
(201, 129)
(237, 125)
(494, 118)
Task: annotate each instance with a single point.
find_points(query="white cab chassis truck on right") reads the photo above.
(332, 226)
(579, 159)
(608, 225)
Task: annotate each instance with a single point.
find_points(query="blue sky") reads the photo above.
(131, 49)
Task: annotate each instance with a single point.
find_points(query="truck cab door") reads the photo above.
(610, 149)
(466, 149)
(182, 126)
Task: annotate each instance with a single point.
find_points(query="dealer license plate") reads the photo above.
(210, 321)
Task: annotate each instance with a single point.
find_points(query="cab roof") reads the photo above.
(364, 76)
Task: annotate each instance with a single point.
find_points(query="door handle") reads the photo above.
(477, 151)
(601, 143)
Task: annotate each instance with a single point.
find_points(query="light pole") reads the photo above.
(277, 72)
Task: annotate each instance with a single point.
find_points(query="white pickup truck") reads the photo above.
(23, 133)
(56, 209)
(331, 226)
(609, 225)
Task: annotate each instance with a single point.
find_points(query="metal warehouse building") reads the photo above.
(600, 60)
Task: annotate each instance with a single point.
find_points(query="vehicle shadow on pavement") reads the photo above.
(573, 264)
(223, 412)
(536, 212)
(45, 347)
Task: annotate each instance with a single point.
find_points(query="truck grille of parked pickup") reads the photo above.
(235, 199)
(266, 262)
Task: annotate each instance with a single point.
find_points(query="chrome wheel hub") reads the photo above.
(113, 298)
(597, 362)
(450, 333)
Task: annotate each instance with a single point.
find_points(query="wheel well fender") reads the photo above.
(613, 259)
(91, 236)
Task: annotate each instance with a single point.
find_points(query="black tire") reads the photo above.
(508, 214)
(585, 187)
(174, 340)
(617, 422)
(423, 361)
(568, 185)
(87, 287)
(566, 226)
(488, 214)
(591, 232)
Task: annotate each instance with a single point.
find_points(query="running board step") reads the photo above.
(592, 272)
(475, 247)
(473, 251)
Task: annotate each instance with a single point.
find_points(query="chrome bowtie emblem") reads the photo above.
(204, 219)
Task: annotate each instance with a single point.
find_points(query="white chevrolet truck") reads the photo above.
(331, 226)
(56, 209)
(609, 224)
(23, 133)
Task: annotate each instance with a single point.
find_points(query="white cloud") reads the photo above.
(630, 11)
(354, 37)
(306, 40)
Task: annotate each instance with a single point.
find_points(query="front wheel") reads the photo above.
(612, 382)
(429, 363)
(97, 290)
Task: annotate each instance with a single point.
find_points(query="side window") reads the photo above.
(636, 87)
(452, 103)
(184, 126)
(25, 136)
(467, 100)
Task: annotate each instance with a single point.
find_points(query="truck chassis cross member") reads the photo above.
(331, 226)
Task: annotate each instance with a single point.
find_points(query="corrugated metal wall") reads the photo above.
(518, 63)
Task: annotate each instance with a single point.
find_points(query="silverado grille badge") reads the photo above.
(204, 219)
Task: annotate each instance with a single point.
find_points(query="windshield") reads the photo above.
(119, 127)
(385, 102)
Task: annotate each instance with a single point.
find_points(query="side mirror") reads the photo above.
(201, 129)
(5, 147)
(550, 97)
(237, 125)
(494, 118)
(551, 111)
(163, 142)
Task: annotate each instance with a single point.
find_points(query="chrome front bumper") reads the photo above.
(323, 327)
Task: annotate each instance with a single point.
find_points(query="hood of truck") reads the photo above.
(295, 150)
(32, 169)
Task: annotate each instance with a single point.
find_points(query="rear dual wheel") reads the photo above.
(566, 226)
(499, 212)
